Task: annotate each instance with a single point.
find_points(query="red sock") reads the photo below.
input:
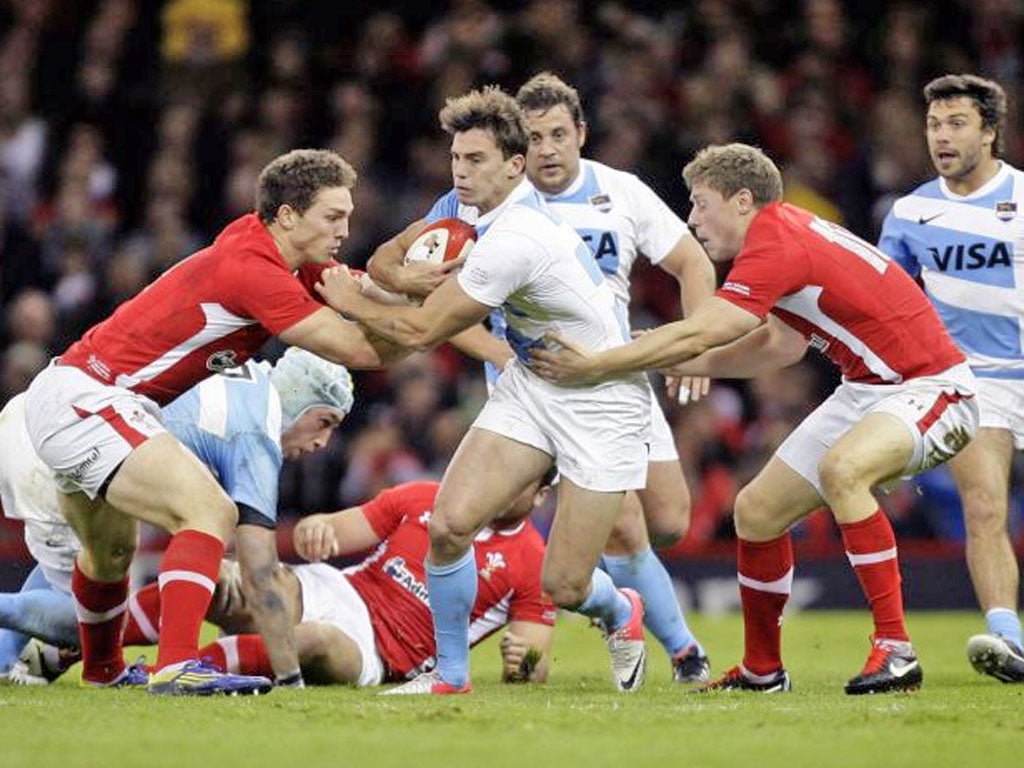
(871, 547)
(143, 616)
(241, 654)
(766, 579)
(100, 607)
(188, 575)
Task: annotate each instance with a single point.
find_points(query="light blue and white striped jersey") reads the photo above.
(232, 422)
(968, 250)
(616, 215)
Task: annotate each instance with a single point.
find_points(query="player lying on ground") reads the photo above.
(371, 623)
(241, 424)
(906, 402)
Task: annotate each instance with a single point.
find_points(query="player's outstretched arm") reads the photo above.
(321, 537)
(332, 337)
(388, 269)
(714, 323)
(526, 652)
(767, 348)
(263, 590)
(480, 344)
(446, 311)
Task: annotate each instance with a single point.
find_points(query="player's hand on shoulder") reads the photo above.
(315, 539)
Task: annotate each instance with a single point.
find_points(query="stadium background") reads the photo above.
(132, 131)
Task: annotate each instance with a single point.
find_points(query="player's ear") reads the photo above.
(581, 128)
(744, 201)
(516, 164)
(286, 216)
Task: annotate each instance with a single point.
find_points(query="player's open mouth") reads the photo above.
(945, 155)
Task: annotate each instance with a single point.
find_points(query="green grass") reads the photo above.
(957, 719)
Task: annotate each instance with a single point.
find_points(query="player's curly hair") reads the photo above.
(988, 96)
(728, 168)
(546, 90)
(490, 109)
(296, 177)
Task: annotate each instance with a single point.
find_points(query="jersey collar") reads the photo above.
(984, 189)
(521, 190)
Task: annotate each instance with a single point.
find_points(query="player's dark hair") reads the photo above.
(549, 477)
(728, 168)
(988, 97)
(492, 110)
(546, 90)
(296, 177)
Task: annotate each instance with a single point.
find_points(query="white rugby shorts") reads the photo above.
(599, 436)
(1002, 406)
(328, 597)
(939, 412)
(83, 429)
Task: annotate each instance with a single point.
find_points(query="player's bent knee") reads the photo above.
(985, 514)
(753, 515)
(448, 536)
(838, 476)
(565, 590)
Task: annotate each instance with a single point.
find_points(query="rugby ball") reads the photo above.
(444, 240)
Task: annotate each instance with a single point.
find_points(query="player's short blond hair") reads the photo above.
(492, 110)
(728, 168)
(296, 177)
(546, 90)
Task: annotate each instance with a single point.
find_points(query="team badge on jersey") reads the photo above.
(495, 560)
(602, 202)
(222, 361)
(1006, 211)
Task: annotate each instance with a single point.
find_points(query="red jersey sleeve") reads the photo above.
(269, 293)
(385, 511)
(529, 602)
(764, 271)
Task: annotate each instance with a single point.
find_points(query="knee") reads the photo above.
(985, 512)
(214, 513)
(117, 555)
(752, 515)
(567, 590)
(450, 536)
(838, 477)
(670, 523)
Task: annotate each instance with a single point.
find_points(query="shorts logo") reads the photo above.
(495, 561)
(222, 361)
(77, 472)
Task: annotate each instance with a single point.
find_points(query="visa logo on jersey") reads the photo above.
(604, 245)
(962, 256)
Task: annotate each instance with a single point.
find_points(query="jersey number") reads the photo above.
(850, 242)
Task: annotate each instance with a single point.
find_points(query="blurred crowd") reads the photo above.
(132, 131)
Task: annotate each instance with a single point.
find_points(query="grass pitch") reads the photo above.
(958, 718)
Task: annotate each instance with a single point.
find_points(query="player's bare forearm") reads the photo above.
(385, 266)
(765, 349)
(264, 589)
(480, 344)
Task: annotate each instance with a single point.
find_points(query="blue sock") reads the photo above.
(1004, 622)
(17, 609)
(452, 591)
(645, 573)
(605, 602)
